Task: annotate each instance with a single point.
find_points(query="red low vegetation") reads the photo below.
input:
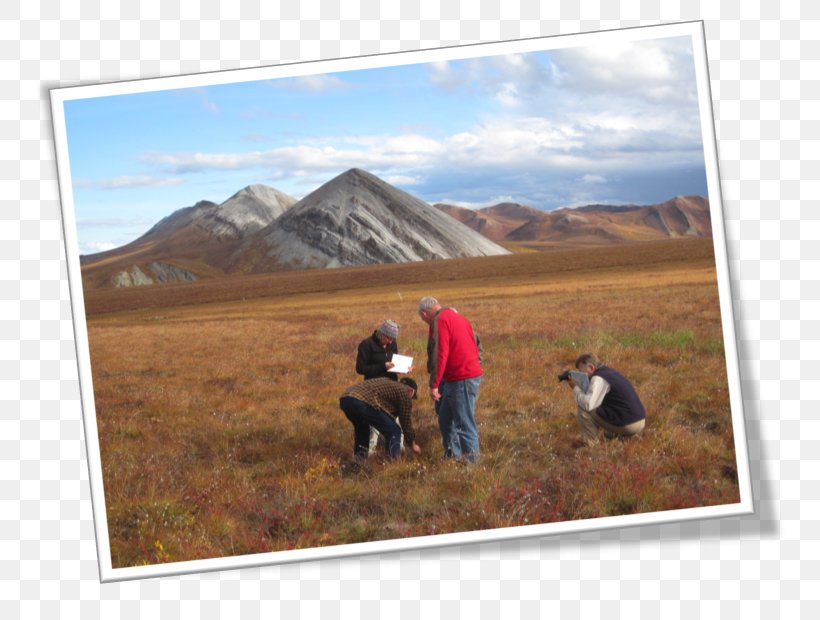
(220, 432)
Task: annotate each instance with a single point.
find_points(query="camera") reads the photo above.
(564, 376)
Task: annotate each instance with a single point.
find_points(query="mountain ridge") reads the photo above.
(357, 218)
(190, 243)
(353, 219)
(593, 224)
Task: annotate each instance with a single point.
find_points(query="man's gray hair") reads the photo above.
(588, 358)
(426, 303)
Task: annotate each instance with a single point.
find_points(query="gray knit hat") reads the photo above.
(389, 328)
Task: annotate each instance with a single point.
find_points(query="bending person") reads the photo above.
(380, 403)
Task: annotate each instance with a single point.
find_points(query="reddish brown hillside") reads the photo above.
(191, 243)
(190, 249)
(495, 222)
(523, 226)
(682, 216)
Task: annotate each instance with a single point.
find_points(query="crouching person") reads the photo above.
(610, 406)
(379, 403)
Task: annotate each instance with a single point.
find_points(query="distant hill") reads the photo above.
(494, 222)
(353, 219)
(191, 243)
(682, 216)
(358, 219)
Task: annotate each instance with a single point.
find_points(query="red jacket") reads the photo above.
(452, 350)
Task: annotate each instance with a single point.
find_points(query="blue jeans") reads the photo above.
(456, 418)
(363, 416)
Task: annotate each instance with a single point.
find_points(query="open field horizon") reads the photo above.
(220, 432)
(523, 265)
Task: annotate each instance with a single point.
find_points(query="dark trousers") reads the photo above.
(362, 416)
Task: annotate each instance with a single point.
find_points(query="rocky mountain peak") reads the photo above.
(248, 210)
(357, 218)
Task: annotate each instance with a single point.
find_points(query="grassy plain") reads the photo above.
(220, 432)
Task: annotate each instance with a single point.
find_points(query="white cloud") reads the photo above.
(509, 79)
(256, 137)
(112, 222)
(638, 73)
(508, 95)
(92, 247)
(319, 83)
(200, 94)
(474, 206)
(380, 152)
(403, 179)
(654, 70)
(521, 141)
(592, 144)
(464, 140)
(642, 61)
(589, 112)
(127, 182)
(443, 76)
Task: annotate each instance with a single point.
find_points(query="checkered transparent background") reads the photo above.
(764, 61)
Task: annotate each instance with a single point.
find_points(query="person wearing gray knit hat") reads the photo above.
(375, 352)
(373, 359)
(389, 329)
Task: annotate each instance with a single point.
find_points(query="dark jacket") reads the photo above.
(621, 405)
(371, 358)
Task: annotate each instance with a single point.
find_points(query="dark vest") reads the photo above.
(621, 405)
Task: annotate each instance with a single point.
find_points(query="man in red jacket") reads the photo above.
(454, 364)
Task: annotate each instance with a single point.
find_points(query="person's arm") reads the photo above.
(478, 346)
(406, 419)
(594, 396)
(391, 350)
(442, 349)
(432, 352)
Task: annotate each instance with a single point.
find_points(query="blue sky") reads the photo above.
(612, 124)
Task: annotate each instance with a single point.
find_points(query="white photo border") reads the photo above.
(59, 96)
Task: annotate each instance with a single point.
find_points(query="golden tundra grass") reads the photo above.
(220, 432)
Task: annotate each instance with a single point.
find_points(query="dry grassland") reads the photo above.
(221, 435)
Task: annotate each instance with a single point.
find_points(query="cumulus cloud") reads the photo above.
(443, 75)
(582, 144)
(201, 94)
(643, 72)
(655, 70)
(509, 78)
(112, 222)
(590, 117)
(127, 182)
(92, 247)
(591, 144)
(513, 141)
(379, 152)
(474, 206)
(508, 95)
(402, 179)
(256, 137)
(318, 83)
